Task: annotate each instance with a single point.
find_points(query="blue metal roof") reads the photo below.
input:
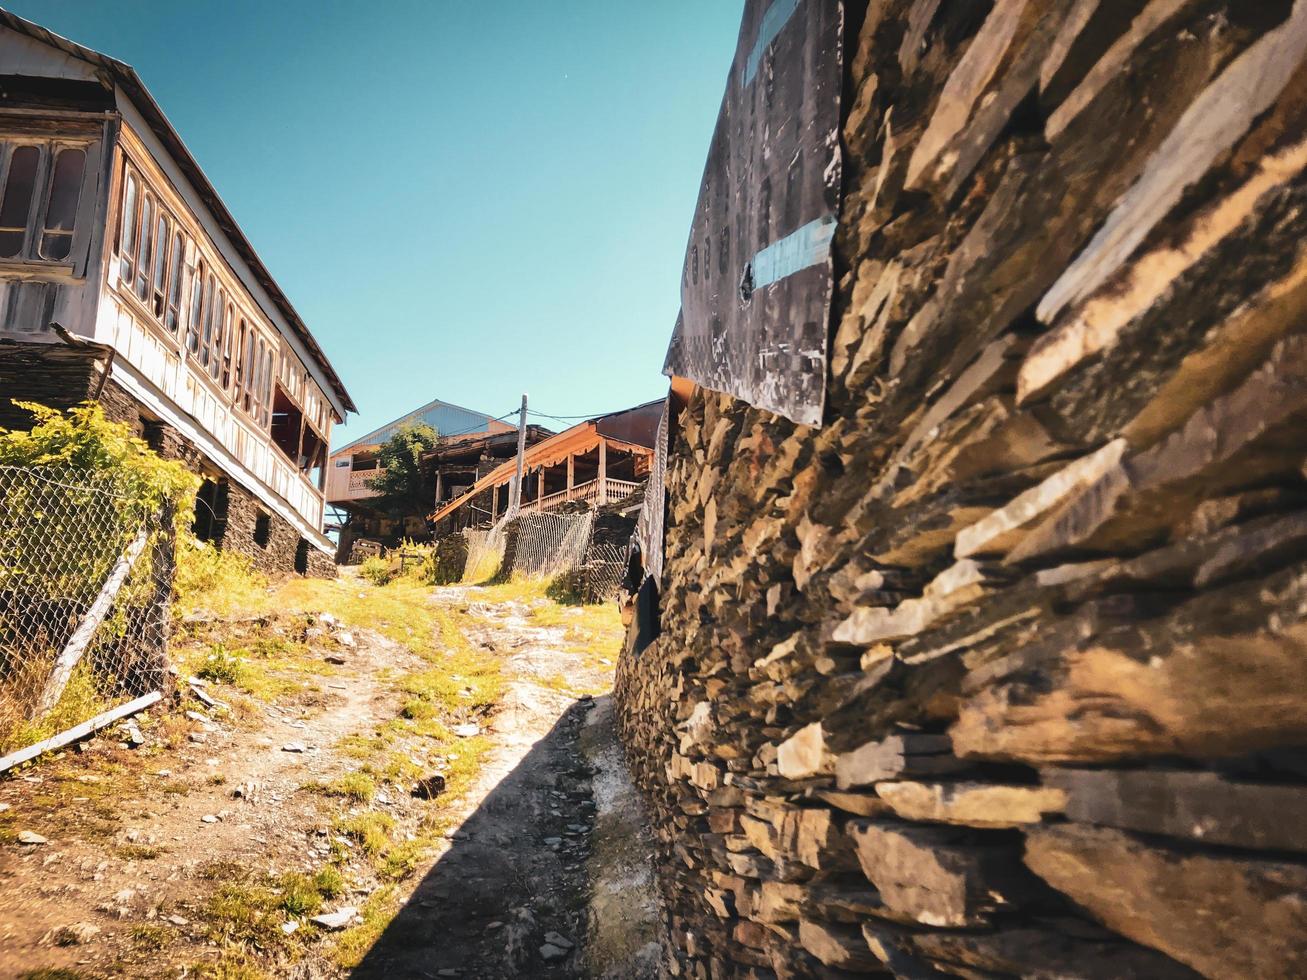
(446, 419)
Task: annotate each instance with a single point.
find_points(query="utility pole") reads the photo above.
(516, 500)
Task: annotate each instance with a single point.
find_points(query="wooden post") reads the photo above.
(439, 485)
(540, 492)
(494, 504)
(603, 472)
(81, 638)
(571, 474)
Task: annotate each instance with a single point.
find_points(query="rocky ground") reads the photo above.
(419, 783)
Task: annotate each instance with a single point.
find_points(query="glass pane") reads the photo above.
(56, 244)
(175, 282)
(219, 306)
(197, 309)
(65, 190)
(17, 205)
(147, 252)
(127, 231)
(161, 251)
(208, 321)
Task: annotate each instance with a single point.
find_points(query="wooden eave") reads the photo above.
(115, 72)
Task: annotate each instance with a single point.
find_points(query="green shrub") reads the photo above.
(376, 570)
(221, 665)
(82, 440)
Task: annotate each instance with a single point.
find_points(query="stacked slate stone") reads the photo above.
(1002, 672)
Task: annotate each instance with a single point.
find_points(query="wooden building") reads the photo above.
(471, 444)
(597, 461)
(124, 277)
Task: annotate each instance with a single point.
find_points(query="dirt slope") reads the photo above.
(208, 851)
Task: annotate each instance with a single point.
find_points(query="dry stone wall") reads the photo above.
(1002, 672)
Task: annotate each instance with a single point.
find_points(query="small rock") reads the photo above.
(178, 920)
(197, 737)
(559, 940)
(134, 737)
(345, 638)
(551, 952)
(449, 971)
(209, 818)
(294, 747)
(29, 837)
(4, 807)
(327, 619)
(337, 920)
(466, 731)
(289, 927)
(196, 716)
(553, 841)
(335, 658)
(491, 927)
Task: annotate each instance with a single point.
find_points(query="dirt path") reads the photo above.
(185, 857)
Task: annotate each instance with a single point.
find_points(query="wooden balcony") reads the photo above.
(345, 484)
(598, 492)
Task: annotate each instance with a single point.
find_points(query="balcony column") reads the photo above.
(571, 474)
(439, 485)
(540, 485)
(603, 472)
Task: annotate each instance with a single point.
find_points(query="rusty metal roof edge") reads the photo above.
(125, 75)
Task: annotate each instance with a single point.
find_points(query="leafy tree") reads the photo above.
(403, 487)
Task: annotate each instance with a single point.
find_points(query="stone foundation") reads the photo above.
(1000, 672)
(61, 377)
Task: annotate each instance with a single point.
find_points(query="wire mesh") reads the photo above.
(546, 545)
(85, 582)
(551, 546)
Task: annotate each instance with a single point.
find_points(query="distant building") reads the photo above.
(598, 461)
(471, 445)
(124, 278)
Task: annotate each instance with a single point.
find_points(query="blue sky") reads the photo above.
(464, 200)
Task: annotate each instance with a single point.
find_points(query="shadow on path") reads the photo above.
(516, 872)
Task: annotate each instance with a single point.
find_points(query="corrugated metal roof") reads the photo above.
(446, 419)
(125, 75)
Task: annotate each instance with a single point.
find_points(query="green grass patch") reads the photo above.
(370, 830)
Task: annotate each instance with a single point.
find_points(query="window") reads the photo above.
(61, 205)
(221, 315)
(127, 231)
(262, 529)
(142, 286)
(151, 257)
(159, 273)
(40, 190)
(16, 208)
(197, 309)
(172, 319)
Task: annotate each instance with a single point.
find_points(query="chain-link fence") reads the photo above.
(552, 546)
(85, 581)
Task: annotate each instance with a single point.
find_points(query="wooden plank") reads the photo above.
(79, 731)
(81, 639)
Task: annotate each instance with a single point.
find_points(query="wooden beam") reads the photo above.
(82, 636)
(603, 472)
(571, 474)
(79, 731)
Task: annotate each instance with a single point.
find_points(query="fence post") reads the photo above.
(81, 638)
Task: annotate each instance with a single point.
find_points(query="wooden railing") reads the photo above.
(585, 492)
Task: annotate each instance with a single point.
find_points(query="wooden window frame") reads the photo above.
(29, 253)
